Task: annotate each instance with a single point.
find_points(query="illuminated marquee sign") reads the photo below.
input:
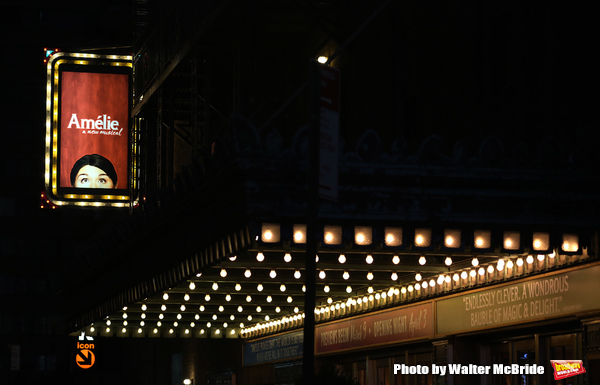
(89, 140)
(392, 326)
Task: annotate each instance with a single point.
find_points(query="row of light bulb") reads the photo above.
(418, 285)
(501, 264)
(271, 233)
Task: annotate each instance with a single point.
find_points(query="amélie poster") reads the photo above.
(94, 119)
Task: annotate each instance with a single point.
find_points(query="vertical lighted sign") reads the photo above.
(89, 140)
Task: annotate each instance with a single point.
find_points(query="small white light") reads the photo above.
(228, 298)
(342, 258)
(418, 277)
(422, 260)
(186, 297)
(207, 297)
(163, 307)
(247, 273)
(289, 299)
(287, 257)
(260, 257)
(490, 269)
(165, 296)
(348, 289)
(463, 275)
(192, 285)
(455, 277)
(322, 59)
(282, 287)
(473, 273)
(345, 274)
(481, 271)
(259, 287)
(182, 307)
(322, 274)
(520, 262)
(529, 259)
(297, 274)
(448, 261)
(258, 309)
(238, 287)
(215, 286)
(370, 276)
(233, 258)
(201, 308)
(326, 289)
(273, 274)
(541, 257)
(248, 298)
(369, 259)
(475, 262)
(269, 299)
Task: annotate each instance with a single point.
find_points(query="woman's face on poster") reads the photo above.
(93, 177)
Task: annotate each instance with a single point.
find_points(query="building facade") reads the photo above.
(459, 225)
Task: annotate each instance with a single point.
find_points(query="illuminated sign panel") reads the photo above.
(89, 143)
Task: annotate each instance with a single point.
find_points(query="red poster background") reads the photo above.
(90, 95)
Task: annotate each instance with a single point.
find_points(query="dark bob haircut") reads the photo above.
(96, 161)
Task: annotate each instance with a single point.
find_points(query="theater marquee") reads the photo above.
(90, 146)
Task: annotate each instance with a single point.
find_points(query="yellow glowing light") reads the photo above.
(298, 236)
(360, 238)
(419, 240)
